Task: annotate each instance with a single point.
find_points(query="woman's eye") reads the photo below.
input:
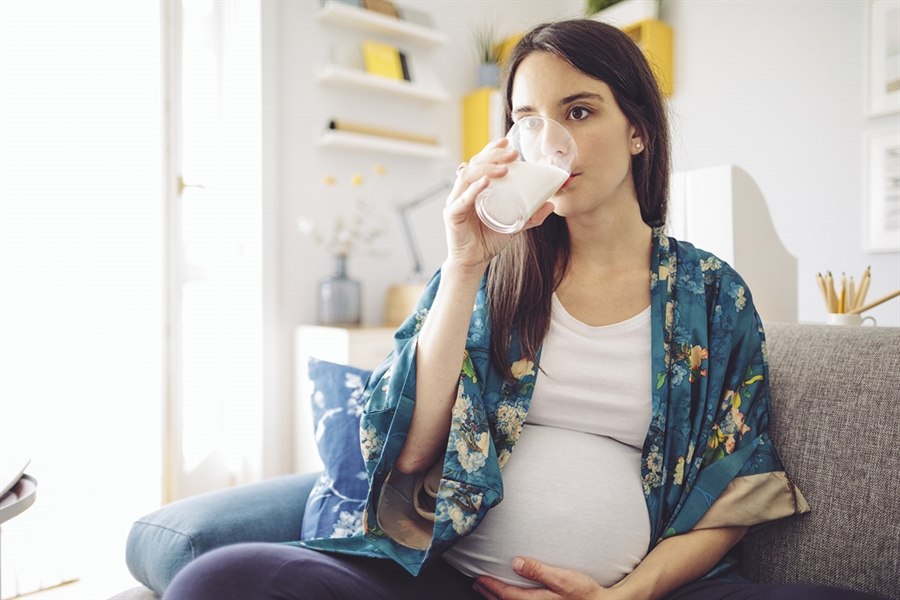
(578, 113)
(531, 123)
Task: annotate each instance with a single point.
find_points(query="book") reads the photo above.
(381, 6)
(382, 59)
(404, 64)
(360, 128)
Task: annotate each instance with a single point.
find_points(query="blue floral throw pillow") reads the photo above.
(334, 508)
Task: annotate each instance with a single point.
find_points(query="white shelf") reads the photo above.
(358, 141)
(354, 78)
(344, 15)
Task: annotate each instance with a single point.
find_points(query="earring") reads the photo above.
(638, 146)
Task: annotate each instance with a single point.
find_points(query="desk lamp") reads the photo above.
(401, 299)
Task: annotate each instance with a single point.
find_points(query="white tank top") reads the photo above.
(573, 496)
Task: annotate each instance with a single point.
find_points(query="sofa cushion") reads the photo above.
(334, 508)
(835, 394)
(161, 543)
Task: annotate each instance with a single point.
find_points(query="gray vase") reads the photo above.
(340, 298)
(488, 75)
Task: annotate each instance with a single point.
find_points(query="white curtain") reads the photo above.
(215, 272)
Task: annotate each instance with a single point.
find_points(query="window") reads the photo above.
(81, 282)
(214, 405)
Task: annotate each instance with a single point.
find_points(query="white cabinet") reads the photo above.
(362, 347)
(721, 210)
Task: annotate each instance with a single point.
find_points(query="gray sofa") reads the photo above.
(835, 397)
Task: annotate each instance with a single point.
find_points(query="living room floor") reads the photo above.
(91, 587)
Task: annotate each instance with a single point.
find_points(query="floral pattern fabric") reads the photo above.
(710, 413)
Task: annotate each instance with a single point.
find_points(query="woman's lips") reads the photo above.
(569, 180)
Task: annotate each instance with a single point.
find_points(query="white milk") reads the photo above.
(510, 201)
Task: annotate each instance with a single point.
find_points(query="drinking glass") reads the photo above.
(546, 154)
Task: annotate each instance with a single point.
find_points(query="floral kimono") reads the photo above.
(708, 460)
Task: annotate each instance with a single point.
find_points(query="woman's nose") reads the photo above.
(558, 143)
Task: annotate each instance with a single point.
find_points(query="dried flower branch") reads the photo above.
(349, 233)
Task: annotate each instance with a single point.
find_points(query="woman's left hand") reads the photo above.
(559, 584)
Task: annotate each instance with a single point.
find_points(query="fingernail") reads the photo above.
(518, 564)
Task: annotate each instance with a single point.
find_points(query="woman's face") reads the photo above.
(548, 86)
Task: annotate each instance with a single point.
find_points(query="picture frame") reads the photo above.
(883, 57)
(882, 214)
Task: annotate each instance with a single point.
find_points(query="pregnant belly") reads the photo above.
(570, 499)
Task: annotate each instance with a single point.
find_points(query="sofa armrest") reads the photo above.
(163, 542)
(834, 405)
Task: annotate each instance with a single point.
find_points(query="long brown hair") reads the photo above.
(522, 278)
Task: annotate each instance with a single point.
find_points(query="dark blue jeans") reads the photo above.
(261, 571)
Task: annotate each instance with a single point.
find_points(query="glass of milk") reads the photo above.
(546, 153)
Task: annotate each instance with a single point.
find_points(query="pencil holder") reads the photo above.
(849, 319)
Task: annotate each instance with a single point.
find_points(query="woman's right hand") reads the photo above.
(471, 243)
(442, 339)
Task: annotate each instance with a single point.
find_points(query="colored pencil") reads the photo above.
(875, 303)
(832, 296)
(863, 289)
(821, 283)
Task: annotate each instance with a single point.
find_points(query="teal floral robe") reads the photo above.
(708, 460)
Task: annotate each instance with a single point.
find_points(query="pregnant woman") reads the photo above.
(577, 410)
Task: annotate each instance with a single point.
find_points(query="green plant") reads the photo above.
(487, 48)
(594, 6)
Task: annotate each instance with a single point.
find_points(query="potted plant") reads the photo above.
(487, 51)
(350, 232)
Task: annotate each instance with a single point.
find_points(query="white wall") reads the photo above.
(773, 87)
(306, 107)
(777, 88)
